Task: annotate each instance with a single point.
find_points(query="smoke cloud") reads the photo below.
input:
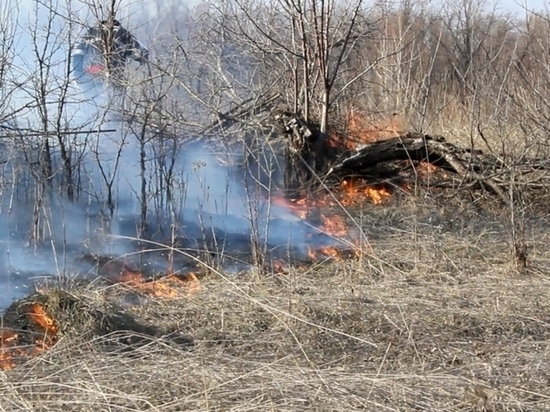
(45, 230)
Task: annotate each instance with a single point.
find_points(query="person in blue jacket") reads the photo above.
(105, 50)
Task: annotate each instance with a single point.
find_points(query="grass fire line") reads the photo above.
(318, 213)
(46, 329)
(40, 330)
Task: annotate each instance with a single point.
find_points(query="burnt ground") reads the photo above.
(434, 315)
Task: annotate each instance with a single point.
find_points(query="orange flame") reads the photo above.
(377, 195)
(366, 129)
(363, 128)
(128, 276)
(354, 189)
(311, 253)
(40, 317)
(168, 287)
(6, 360)
(156, 288)
(330, 252)
(8, 338)
(10, 352)
(334, 225)
(326, 251)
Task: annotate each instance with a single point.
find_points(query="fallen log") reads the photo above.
(473, 166)
(411, 146)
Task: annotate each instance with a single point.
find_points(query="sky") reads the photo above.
(151, 7)
(519, 6)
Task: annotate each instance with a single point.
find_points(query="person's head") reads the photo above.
(114, 22)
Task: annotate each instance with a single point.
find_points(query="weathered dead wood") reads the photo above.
(472, 166)
(299, 152)
(411, 146)
(294, 126)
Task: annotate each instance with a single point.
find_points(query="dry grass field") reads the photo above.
(444, 307)
(434, 318)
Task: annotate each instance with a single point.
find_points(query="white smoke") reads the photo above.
(47, 237)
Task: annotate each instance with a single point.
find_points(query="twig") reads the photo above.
(35, 133)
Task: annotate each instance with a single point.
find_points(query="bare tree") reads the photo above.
(310, 43)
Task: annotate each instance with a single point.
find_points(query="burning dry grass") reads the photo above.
(32, 325)
(36, 323)
(168, 287)
(38, 332)
(356, 190)
(361, 128)
(433, 319)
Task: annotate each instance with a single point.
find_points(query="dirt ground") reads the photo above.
(435, 317)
